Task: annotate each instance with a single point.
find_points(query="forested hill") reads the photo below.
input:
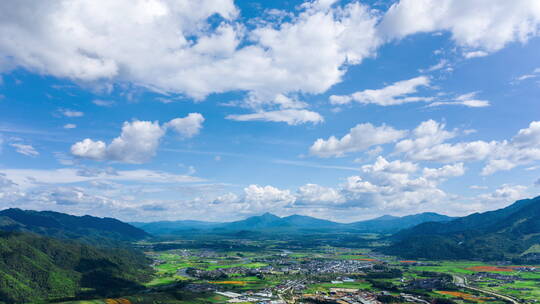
(59, 225)
(507, 233)
(36, 268)
(391, 224)
(48, 255)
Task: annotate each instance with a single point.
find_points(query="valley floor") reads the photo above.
(276, 275)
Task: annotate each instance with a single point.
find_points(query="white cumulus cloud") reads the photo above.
(505, 194)
(445, 171)
(359, 138)
(190, 54)
(138, 140)
(188, 126)
(396, 166)
(429, 143)
(313, 194)
(478, 25)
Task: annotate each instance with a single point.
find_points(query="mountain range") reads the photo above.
(508, 233)
(50, 256)
(512, 232)
(271, 223)
(64, 226)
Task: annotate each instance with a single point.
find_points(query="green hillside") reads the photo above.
(48, 255)
(59, 225)
(36, 268)
(391, 224)
(501, 234)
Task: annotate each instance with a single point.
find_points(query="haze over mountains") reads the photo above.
(511, 232)
(291, 224)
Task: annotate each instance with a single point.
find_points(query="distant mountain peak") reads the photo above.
(386, 217)
(298, 216)
(430, 213)
(269, 215)
(296, 223)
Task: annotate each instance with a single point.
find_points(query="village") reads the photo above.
(325, 277)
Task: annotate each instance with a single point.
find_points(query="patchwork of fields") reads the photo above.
(292, 274)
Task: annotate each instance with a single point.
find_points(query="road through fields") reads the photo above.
(462, 282)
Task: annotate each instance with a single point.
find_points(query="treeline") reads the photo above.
(87, 229)
(37, 268)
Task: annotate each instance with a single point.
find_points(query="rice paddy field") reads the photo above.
(245, 265)
(528, 288)
(86, 302)
(325, 287)
(170, 267)
(169, 270)
(240, 284)
(449, 267)
(186, 299)
(525, 287)
(202, 298)
(464, 296)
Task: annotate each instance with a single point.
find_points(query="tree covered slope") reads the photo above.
(390, 224)
(59, 225)
(506, 233)
(36, 268)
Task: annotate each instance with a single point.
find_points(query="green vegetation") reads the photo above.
(325, 287)
(449, 267)
(246, 265)
(508, 233)
(93, 260)
(34, 268)
(389, 274)
(88, 229)
(533, 249)
(165, 280)
(527, 289)
(169, 297)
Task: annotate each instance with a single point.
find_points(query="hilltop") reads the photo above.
(64, 226)
(511, 232)
(52, 255)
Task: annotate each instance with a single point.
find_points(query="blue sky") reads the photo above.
(218, 110)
